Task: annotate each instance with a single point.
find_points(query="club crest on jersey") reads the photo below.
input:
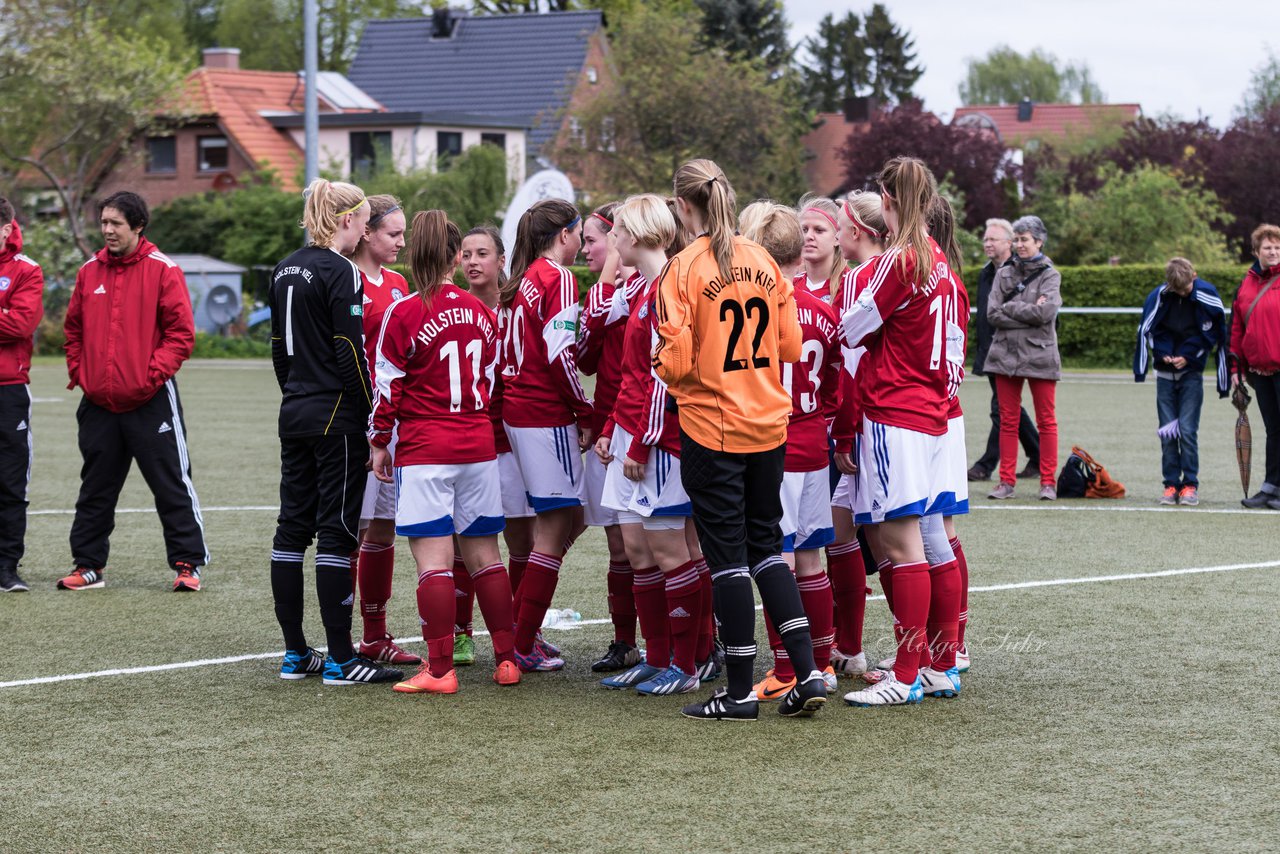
(357, 310)
(567, 325)
(5, 281)
(396, 293)
(643, 312)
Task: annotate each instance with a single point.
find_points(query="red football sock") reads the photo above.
(537, 588)
(435, 609)
(782, 669)
(911, 607)
(849, 594)
(964, 591)
(375, 565)
(684, 605)
(815, 593)
(493, 595)
(944, 614)
(651, 607)
(622, 602)
(706, 617)
(464, 598)
(515, 571)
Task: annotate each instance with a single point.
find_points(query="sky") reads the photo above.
(1187, 58)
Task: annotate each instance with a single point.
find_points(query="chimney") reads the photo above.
(860, 109)
(442, 23)
(226, 58)
(1025, 108)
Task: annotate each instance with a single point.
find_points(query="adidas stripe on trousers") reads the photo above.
(155, 436)
(15, 470)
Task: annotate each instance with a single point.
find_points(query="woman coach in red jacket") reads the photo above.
(129, 328)
(1255, 351)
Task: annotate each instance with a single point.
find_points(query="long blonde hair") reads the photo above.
(775, 227)
(913, 189)
(702, 184)
(327, 202)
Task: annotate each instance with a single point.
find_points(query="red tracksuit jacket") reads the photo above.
(21, 307)
(129, 326)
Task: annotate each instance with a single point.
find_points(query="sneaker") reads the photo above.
(808, 695)
(1257, 501)
(549, 649)
(978, 472)
(464, 650)
(188, 578)
(939, 683)
(423, 682)
(619, 656)
(642, 672)
(82, 579)
(887, 663)
(537, 661)
(1273, 503)
(300, 665)
(829, 677)
(358, 671)
(709, 670)
(1001, 492)
(1188, 496)
(874, 675)
(1048, 492)
(887, 692)
(507, 673)
(673, 680)
(962, 659)
(772, 688)
(1029, 471)
(11, 582)
(720, 707)
(1169, 496)
(384, 649)
(848, 665)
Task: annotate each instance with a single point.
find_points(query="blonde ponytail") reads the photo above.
(703, 185)
(327, 202)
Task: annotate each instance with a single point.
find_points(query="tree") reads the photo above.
(269, 32)
(1147, 216)
(1005, 76)
(1245, 173)
(747, 29)
(893, 71)
(73, 96)
(837, 63)
(1264, 89)
(971, 160)
(637, 132)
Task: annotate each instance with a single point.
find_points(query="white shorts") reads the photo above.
(379, 501)
(515, 502)
(616, 492)
(806, 510)
(595, 514)
(443, 500)
(900, 473)
(660, 498)
(954, 498)
(550, 464)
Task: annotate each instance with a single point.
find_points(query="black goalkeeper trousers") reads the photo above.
(322, 482)
(737, 502)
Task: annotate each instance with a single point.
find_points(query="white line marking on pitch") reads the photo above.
(248, 508)
(1020, 585)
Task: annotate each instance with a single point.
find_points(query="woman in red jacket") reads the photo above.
(129, 328)
(1255, 351)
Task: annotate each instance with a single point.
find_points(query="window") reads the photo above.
(498, 139)
(366, 147)
(448, 144)
(162, 155)
(212, 153)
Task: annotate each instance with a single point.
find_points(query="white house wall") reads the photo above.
(412, 147)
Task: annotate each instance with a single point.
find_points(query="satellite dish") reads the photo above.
(222, 305)
(547, 184)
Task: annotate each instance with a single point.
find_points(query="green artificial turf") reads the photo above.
(1123, 715)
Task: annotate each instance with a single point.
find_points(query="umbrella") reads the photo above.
(1244, 434)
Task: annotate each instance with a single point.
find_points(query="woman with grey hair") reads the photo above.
(1022, 308)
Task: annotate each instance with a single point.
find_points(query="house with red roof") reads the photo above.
(1016, 125)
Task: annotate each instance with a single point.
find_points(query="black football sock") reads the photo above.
(735, 608)
(333, 585)
(782, 603)
(286, 588)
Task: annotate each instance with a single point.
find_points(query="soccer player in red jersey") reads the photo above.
(383, 239)
(901, 316)
(823, 263)
(545, 411)
(862, 237)
(604, 321)
(436, 356)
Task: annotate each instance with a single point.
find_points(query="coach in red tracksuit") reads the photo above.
(129, 328)
(21, 307)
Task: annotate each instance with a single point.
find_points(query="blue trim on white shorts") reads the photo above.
(442, 527)
(818, 539)
(543, 505)
(485, 526)
(685, 509)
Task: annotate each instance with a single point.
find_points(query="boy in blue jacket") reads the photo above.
(1182, 322)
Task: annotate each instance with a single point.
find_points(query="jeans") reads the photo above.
(1180, 400)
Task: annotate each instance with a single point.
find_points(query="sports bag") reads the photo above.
(1098, 482)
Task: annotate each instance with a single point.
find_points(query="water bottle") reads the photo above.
(560, 617)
